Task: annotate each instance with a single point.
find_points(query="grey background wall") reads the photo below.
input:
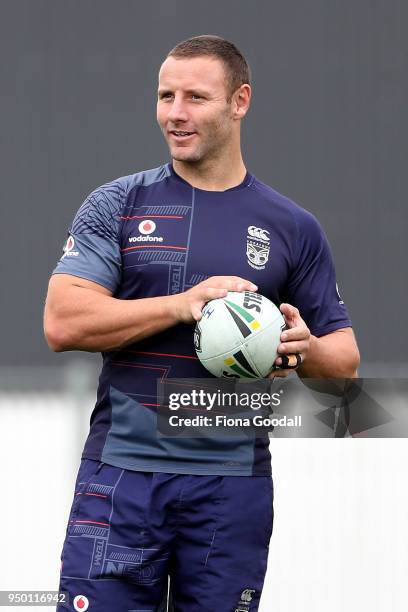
(327, 128)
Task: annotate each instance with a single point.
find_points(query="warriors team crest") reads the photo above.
(258, 247)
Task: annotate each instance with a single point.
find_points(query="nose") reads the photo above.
(178, 111)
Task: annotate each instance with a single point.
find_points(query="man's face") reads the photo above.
(192, 108)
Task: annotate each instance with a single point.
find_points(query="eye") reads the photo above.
(196, 97)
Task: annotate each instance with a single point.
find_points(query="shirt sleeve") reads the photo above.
(92, 250)
(312, 287)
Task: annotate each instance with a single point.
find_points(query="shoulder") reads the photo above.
(287, 211)
(102, 209)
(115, 193)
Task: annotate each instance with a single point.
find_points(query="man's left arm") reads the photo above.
(334, 355)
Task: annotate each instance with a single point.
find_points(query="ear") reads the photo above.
(241, 100)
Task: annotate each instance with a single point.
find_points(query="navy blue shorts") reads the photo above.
(128, 531)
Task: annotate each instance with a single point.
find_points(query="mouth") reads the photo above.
(180, 135)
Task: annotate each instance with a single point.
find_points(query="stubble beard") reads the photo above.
(206, 151)
(178, 154)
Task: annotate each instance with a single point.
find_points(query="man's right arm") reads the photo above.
(83, 315)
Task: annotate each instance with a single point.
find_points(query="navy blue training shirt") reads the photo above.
(153, 234)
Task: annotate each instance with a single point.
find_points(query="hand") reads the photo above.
(189, 304)
(295, 340)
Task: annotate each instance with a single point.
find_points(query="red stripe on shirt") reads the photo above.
(152, 217)
(154, 246)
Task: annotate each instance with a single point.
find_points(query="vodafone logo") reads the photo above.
(147, 227)
(69, 245)
(81, 603)
(69, 248)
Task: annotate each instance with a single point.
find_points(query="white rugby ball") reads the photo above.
(238, 335)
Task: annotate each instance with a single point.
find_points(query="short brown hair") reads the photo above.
(235, 64)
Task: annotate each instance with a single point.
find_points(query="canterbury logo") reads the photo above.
(247, 595)
(257, 232)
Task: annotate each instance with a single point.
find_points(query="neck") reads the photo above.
(212, 174)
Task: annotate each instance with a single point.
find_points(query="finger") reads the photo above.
(288, 309)
(282, 373)
(291, 314)
(289, 348)
(279, 373)
(233, 283)
(290, 362)
(212, 293)
(208, 294)
(196, 313)
(295, 334)
(240, 284)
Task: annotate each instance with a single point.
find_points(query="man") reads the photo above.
(144, 254)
